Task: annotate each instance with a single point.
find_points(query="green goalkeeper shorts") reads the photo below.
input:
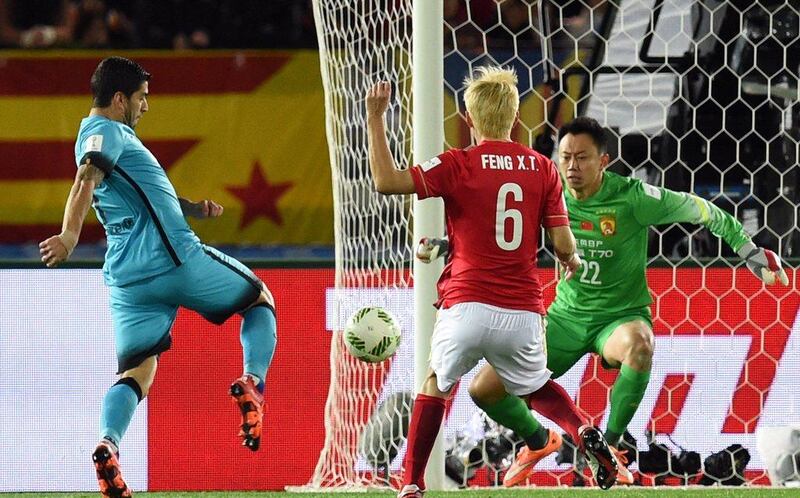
(569, 337)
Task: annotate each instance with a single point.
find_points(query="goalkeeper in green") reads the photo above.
(606, 309)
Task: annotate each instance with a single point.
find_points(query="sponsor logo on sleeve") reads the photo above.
(652, 191)
(430, 164)
(93, 144)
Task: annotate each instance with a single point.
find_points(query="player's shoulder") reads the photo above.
(535, 153)
(631, 187)
(455, 157)
(540, 159)
(456, 153)
(622, 184)
(98, 125)
(514, 147)
(102, 135)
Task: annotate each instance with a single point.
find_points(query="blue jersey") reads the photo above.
(136, 203)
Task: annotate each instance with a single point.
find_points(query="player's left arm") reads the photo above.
(201, 209)
(660, 206)
(58, 248)
(388, 179)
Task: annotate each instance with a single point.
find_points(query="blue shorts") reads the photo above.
(142, 313)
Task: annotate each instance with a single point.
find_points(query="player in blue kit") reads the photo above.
(154, 263)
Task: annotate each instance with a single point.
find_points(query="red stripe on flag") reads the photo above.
(53, 159)
(20, 234)
(171, 75)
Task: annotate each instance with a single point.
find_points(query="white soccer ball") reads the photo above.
(372, 334)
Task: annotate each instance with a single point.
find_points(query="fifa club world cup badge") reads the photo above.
(608, 225)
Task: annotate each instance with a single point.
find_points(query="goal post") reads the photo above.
(428, 124)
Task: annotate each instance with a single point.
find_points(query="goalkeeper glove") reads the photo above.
(429, 249)
(764, 263)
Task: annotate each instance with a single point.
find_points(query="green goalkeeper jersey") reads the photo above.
(610, 229)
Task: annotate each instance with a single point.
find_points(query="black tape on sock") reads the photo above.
(131, 382)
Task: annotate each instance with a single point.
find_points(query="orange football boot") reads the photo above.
(527, 458)
(624, 476)
(251, 403)
(109, 477)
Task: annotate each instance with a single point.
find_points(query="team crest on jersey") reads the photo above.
(608, 225)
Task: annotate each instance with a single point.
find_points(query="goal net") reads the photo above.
(696, 95)
(360, 43)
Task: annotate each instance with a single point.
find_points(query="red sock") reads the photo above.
(552, 401)
(426, 419)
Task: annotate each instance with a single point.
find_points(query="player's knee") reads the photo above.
(641, 348)
(141, 377)
(484, 393)
(264, 298)
(476, 393)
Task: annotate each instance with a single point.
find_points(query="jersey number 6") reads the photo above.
(503, 214)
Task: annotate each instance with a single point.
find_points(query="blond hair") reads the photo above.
(492, 100)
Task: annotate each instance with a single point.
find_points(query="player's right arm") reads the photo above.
(98, 154)
(58, 248)
(388, 179)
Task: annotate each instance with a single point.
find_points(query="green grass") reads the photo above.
(693, 492)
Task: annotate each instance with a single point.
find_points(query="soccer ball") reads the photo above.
(372, 334)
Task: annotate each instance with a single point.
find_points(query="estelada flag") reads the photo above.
(246, 129)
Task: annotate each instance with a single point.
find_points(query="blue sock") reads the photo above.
(258, 337)
(117, 411)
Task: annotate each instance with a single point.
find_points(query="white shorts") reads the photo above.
(512, 341)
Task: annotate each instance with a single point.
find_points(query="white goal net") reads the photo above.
(360, 43)
(697, 95)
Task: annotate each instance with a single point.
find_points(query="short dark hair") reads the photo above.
(116, 74)
(589, 126)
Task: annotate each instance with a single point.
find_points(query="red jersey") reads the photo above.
(497, 197)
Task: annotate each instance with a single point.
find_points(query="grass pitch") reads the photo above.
(693, 492)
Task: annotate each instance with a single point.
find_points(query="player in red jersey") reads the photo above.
(498, 195)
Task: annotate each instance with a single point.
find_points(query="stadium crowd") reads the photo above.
(201, 24)
(161, 24)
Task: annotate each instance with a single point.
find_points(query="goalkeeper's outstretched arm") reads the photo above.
(659, 206)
